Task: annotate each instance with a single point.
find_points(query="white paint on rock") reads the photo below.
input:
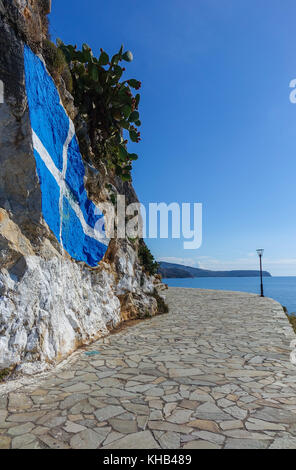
(55, 307)
(131, 278)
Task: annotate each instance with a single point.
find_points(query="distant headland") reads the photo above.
(170, 270)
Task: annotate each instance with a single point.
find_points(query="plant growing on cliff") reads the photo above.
(147, 259)
(57, 64)
(106, 103)
(291, 318)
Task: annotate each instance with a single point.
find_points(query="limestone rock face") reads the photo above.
(50, 307)
(51, 302)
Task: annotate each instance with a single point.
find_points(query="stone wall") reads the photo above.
(55, 295)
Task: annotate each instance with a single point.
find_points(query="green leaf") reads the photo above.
(133, 136)
(59, 42)
(124, 124)
(123, 154)
(126, 111)
(87, 56)
(137, 98)
(104, 59)
(118, 71)
(115, 59)
(133, 83)
(138, 123)
(93, 72)
(134, 116)
(126, 177)
(133, 156)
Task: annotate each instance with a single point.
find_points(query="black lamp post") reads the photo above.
(260, 254)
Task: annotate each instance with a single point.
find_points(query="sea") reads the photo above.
(282, 289)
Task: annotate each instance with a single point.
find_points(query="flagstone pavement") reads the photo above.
(213, 373)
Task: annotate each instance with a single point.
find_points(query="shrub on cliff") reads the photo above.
(147, 259)
(57, 64)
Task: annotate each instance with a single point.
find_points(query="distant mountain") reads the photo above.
(170, 270)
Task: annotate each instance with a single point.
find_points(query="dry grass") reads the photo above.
(4, 374)
(292, 320)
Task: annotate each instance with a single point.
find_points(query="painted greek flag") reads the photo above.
(74, 219)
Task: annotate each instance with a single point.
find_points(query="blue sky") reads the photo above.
(218, 126)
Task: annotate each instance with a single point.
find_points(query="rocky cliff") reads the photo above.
(60, 287)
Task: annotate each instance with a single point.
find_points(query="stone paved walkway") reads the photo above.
(214, 373)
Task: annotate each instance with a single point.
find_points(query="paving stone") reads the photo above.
(123, 426)
(242, 434)
(259, 425)
(87, 439)
(205, 425)
(228, 425)
(71, 400)
(39, 430)
(236, 412)
(210, 437)
(3, 402)
(200, 444)
(19, 401)
(246, 444)
(180, 416)
(53, 443)
(137, 408)
(142, 422)
(140, 440)
(288, 442)
(25, 417)
(22, 429)
(78, 387)
(169, 408)
(73, 427)
(54, 421)
(165, 426)
(169, 440)
(108, 412)
(20, 441)
(5, 442)
(275, 415)
(155, 415)
(211, 412)
(113, 436)
(224, 403)
(3, 423)
(201, 397)
(32, 445)
(184, 372)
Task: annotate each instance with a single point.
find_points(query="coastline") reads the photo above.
(281, 289)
